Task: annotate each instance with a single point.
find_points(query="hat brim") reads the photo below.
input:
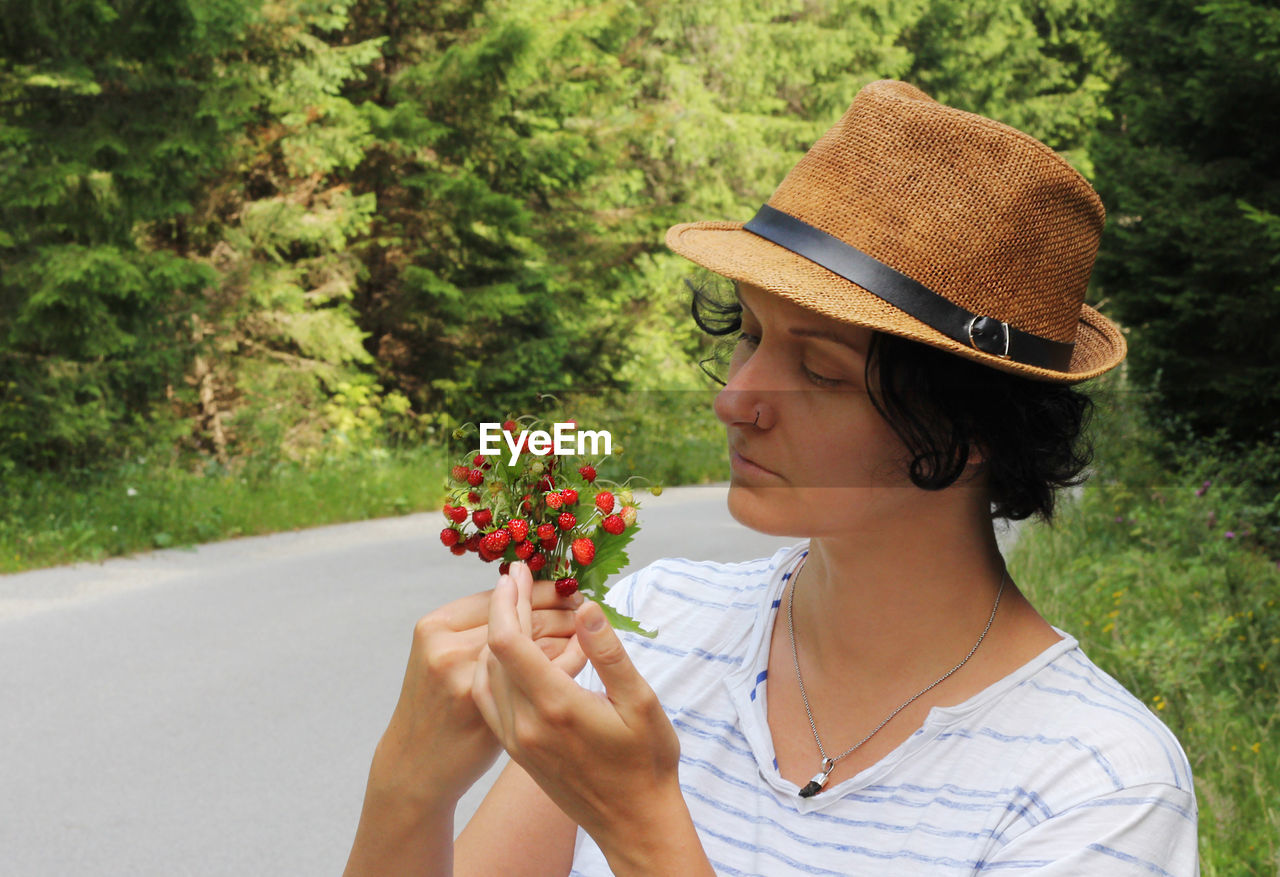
(726, 249)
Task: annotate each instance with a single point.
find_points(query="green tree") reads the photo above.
(104, 129)
(1190, 171)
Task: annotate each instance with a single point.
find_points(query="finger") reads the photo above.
(482, 694)
(467, 612)
(524, 594)
(523, 663)
(553, 622)
(545, 597)
(571, 659)
(628, 691)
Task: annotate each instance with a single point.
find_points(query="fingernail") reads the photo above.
(594, 620)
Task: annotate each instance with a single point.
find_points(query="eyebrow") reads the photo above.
(823, 333)
(801, 332)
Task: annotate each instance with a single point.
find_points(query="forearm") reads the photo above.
(398, 837)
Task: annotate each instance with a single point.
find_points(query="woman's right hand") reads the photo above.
(437, 745)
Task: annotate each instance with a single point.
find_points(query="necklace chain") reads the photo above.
(828, 763)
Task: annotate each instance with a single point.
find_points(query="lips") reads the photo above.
(738, 455)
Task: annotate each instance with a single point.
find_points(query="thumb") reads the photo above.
(622, 682)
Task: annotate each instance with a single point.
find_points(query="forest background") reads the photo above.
(259, 258)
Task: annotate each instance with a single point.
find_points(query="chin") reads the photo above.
(767, 510)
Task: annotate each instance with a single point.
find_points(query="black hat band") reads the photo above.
(983, 333)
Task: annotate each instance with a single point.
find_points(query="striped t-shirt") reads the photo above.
(1054, 770)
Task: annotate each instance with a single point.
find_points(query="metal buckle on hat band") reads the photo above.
(989, 335)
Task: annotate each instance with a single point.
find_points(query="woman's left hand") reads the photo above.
(610, 761)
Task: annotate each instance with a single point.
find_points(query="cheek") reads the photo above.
(858, 450)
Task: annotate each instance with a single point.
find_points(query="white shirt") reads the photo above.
(1054, 770)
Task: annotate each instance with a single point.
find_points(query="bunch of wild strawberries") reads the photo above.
(554, 515)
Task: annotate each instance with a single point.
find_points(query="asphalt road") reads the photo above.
(214, 711)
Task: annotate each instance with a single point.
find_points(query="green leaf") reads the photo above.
(624, 622)
(611, 556)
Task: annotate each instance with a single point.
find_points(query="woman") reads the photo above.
(880, 698)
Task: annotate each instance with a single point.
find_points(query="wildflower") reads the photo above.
(1119, 519)
(1256, 747)
(1203, 488)
(129, 491)
(1229, 535)
(1111, 625)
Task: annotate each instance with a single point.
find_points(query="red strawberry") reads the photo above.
(475, 477)
(526, 504)
(495, 542)
(588, 472)
(482, 517)
(459, 550)
(604, 501)
(546, 483)
(614, 524)
(537, 562)
(473, 497)
(477, 460)
(458, 514)
(549, 544)
(473, 541)
(567, 520)
(460, 473)
(546, 531)
(519, 529)
(525, 550)
(509, 426)
(504, 567)
(570, 496)
(449, 537)
(584, 551)
(566, 587)
(554, 500)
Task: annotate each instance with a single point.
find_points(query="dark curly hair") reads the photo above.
(1030, 433)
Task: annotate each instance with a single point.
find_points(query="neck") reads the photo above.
(895, 601)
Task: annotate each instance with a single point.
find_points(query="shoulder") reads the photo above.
(1101, 780)
(1067, 732)
(1128, 742)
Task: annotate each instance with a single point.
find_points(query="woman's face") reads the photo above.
(820, 460)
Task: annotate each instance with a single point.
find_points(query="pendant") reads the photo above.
(819, 779)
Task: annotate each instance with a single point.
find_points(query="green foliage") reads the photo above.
(260, 204)
(1165, 580)
(103, 127)
(1189, 171)
(90, 515)
(1038, 65)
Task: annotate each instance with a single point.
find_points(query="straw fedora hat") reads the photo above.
(935, 224)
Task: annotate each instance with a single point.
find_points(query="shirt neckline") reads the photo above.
(748, 691)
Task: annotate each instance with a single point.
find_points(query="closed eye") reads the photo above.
(754, 341)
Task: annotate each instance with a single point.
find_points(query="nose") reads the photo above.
(745, 399)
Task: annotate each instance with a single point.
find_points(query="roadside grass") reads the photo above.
(46, 520)
(1167, 583)
(49, 519)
